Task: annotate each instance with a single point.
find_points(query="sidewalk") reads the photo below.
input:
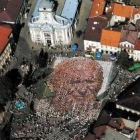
(83, 15)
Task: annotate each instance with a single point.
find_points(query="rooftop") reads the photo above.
(130, 97)
(113, 134)
(5, 32)
(9, 9)
(69, 9)
(110, 37)
(128, 35)
(94, 28)
(97, 8)
(44, 5)
(122, 10)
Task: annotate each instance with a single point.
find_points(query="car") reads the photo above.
(89, 55)
(137, 76)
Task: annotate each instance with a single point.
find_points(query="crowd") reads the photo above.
(75, 83)
(51, 128)
(123, 79)
(56, 118)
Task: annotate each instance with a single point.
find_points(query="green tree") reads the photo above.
(123, 59)
(8, 85)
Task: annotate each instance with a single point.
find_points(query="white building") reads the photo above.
(50, 29)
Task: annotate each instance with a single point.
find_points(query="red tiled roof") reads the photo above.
(97, 8)
(5, 32)
(137, 45)
(122, 10)
(110, 38)
(9, 9)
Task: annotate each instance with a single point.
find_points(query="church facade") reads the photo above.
(49, 29)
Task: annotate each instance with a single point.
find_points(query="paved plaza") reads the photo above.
(46, 126)
(107, 70)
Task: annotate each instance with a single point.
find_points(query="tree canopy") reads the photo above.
(123, 59)
(42, 58)
(8, 85)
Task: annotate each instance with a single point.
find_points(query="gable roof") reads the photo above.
(69, 9)
(9, 9)
(130, 36)
(126, 98)
(97, 8)
(94, 28)
(131, 103)
(5, 32)
(130, 27)
(113, 134)
(110, 38)
(122, 10)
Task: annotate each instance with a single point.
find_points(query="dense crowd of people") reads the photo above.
(47, 127)
(75, 83)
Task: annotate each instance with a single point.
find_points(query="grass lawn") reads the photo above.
(47, 93)
(42, 90)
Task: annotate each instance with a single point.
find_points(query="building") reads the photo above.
(97, 8)
(136, 52)
(110, 40)
(11, 11)
(114, 30)
(49, 29)
(5, 45)
(129, 2)
(129, 99)
(115, 124)
(93, 33)
(120, 13)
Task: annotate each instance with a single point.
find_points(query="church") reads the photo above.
(50, 29)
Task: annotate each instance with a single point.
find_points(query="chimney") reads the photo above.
(123, 4)
(95, 22)
(96, 12)
(93, 28)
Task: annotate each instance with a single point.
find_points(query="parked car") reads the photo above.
(137, 76)
(89, 54)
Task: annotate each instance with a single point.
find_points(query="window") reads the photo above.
(47, 35)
